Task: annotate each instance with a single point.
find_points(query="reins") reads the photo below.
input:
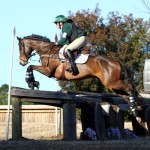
(47, 52)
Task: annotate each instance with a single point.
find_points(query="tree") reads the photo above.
(3, 94)
(126, 41)
(122, 37)
(146, 5)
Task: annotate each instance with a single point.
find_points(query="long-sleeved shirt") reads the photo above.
(67, 31)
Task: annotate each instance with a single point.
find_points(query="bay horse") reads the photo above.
(110, 72)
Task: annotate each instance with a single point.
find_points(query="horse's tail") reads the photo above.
(127, 74)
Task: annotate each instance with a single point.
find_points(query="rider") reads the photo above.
(73, 38)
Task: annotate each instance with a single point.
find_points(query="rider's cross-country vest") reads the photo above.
(76, 31)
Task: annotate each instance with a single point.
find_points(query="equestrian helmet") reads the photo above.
(60, 18)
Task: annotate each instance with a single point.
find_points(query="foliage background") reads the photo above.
(122, 37)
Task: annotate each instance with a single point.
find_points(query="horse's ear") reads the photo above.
(18, 38)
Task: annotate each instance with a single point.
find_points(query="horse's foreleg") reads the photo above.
(43, 70)
(30, 76)
(31, 80)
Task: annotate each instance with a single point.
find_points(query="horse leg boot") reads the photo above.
(71, 59)
(133, 106)
(30, 80)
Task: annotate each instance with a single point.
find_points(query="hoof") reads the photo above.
(34, 84)
(74, 72)
(135, 113)
(139, 108)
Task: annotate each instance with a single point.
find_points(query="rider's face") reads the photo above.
(59, 25)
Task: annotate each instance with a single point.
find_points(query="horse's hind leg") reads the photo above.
(127, 92)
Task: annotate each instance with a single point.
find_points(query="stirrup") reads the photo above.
(69, 70)
(74, 72)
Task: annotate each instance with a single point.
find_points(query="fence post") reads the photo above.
(69, 121)
(16, 119)
(99, 122)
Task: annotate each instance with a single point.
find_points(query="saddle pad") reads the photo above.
(81, 58)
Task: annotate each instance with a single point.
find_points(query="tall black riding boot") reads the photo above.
(71, 59)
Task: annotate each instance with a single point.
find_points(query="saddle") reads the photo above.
(84, 51)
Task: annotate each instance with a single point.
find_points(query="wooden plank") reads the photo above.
(69, 95)
(124, 107)
(52, 98)
(56, 103)
(83, 100)
(87, 98)
(111, 98)
(146, 100)
(25, 93)
(80, 101)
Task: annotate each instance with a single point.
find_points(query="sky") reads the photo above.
(36, 17)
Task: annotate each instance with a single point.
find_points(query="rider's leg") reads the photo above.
(71, 59)
(76, 44)
(61, 52)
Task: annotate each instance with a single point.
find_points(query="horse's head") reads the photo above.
(25, 51)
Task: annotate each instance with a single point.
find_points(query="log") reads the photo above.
(16, 119)
(139, 123)
(112, 117)
(147, 118)
(92, 117)
(99, 122)
(87, 116)
(69, 124)
(119, 117)
(109, 112)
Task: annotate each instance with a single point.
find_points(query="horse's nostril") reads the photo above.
(21, 64)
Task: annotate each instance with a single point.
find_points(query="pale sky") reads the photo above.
(33, 16)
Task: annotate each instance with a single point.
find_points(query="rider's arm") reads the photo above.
(66, 32)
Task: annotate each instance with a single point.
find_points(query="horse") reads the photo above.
(111, 72)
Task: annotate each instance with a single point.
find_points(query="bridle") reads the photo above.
(23, 52)
(41, 49)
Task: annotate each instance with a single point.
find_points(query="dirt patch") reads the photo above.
(36, 131)
(140, 143)
(42, 137)
(41, 131)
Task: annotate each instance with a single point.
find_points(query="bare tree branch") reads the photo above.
(146, 5)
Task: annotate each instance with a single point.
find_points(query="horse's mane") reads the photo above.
(35, 36)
